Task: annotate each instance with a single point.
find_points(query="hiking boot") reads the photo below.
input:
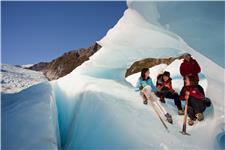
(190, 122)
(169, 118)
(145, 102)
(200, 116)
(162, 100)
(180, 112)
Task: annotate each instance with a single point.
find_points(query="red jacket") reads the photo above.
(196, 91)
(167, 84)
(190, 68)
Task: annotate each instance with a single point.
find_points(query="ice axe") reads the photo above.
(185, 115)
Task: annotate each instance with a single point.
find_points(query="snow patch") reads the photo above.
(14, 79)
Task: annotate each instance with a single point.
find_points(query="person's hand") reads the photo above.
(173, 91)
(167, 85)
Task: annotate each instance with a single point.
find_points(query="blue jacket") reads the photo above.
(144, 83)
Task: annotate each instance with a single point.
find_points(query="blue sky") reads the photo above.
(41, 31)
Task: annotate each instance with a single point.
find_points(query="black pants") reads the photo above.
(171, 95)
(195, 106)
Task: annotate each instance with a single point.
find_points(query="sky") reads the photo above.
(34, 32)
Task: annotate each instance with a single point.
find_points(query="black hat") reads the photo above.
(166, 73)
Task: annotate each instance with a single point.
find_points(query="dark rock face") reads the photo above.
(39, 66)
(66, 63)
(148, 63)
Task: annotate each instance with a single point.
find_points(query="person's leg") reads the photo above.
(176, 98)
(158, 94)
(191, 109)
(147, 90)
(145, 101)
(161, 97)
(149, 94)
(191, 113)
(199, 108)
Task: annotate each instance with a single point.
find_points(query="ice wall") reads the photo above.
(29, 119)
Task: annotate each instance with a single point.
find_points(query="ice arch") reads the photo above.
(100, 93)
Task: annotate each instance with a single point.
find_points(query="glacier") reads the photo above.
(15, 79)
(96, 107)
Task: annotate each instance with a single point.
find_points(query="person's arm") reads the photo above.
(154, 89)
(159, 87)
(171, 87)
(138, 85)
(182, 70)
(168, 85)
(197, 68)
(182, 93)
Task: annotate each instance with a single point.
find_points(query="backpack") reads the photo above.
(207, 102)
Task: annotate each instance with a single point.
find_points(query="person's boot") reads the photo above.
(200, 116)
(162, 99)
(145, 102)
(190, 122)
(169, 118)
(180, 112)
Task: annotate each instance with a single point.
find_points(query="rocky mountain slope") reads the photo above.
(66, 63)
(148, 63)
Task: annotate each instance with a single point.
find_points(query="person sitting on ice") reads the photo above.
(164, 85)
(147, 91)
(197, 102)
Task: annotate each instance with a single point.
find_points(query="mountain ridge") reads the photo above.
(65, 63)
